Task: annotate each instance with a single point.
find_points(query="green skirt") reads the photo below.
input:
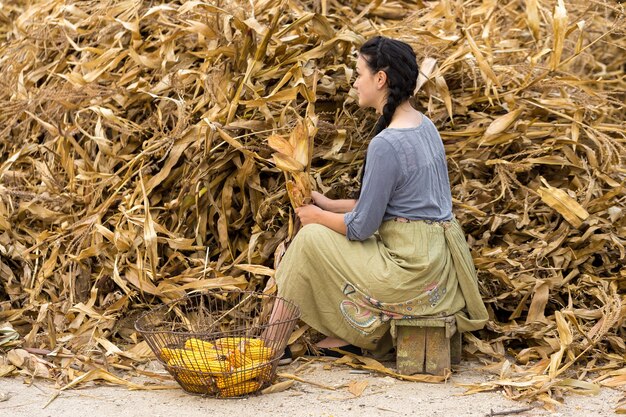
(353, 289)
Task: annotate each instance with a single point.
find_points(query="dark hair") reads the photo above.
(398, 61)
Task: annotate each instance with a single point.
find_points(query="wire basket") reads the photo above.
(220, 343)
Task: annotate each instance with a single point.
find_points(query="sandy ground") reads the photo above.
(382, 396)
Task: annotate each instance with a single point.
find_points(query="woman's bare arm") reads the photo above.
(313, 214)
(334, 206)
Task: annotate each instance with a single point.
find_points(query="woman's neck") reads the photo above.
(405, 116)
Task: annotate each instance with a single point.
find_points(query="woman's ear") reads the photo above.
(380, 79)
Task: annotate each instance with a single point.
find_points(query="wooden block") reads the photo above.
(437, 351)
(426, 345)
(410, 350)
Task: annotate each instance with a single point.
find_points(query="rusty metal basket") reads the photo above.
(224, 329)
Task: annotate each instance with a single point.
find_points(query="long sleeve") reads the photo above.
(382, 173)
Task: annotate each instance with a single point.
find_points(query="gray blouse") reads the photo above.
(406, 175)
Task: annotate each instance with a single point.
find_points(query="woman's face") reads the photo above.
(367, 85)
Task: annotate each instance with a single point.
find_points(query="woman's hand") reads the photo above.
(321, 200)
(309, 214)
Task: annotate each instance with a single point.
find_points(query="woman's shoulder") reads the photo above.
(383, 141)
(398, 135)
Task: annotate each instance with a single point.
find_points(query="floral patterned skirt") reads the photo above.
(352, 290)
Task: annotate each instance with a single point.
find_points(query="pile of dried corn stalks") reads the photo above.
(145, 150)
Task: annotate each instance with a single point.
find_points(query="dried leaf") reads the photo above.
(371, 364)
(278, 387)
(569, 208)
(356, 388)
(101, 374)
(299, 139)
(280, 145)
(559, 26)
(500, 124)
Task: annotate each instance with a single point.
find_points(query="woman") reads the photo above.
(350, 281)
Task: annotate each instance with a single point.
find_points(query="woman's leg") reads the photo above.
(279, 325)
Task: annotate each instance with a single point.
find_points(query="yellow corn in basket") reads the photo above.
(220, 343)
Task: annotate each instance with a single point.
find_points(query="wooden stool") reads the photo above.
(426, 344)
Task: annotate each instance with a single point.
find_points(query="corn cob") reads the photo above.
(192, 361)
(244, 374)
(198, 389)
(170, 353)
(241, 388)
(231, 343)
(205, 355)
(191, 378)
(240, 359)
(259, 353)
(199, 345)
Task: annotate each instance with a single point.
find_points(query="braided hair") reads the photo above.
(398, 61)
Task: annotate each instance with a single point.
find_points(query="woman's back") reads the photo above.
(423, 188)
(406, 176)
